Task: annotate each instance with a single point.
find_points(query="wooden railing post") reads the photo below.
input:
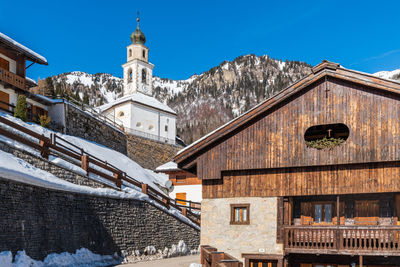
(216, 257)
(118, 179)
(184, 212)
(166, 202)
(144, 189)
(44, 148)
(85, 163)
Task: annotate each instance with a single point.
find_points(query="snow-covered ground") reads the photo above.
(81, 258)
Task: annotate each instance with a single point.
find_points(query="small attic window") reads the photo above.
(138, 124)
(121, 114)
(151, 127)
(326, 136)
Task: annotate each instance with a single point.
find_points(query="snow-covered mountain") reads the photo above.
(392, 75)
(203, 102)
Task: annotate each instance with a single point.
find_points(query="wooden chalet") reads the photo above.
(13, 80)
(309, 177)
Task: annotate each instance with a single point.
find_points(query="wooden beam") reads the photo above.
(361, 261)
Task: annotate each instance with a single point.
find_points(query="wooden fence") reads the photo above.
(59, 146)
(210, 257)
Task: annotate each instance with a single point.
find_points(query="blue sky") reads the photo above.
(188, 37)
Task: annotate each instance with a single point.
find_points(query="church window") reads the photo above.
(130, 52)
(144, 76)
(121, 114)
(130, 75)
(138, 124)
(166, 128)
(144, 54)
(151, 127)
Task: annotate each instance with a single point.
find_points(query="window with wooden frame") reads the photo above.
(323, 212)
(240, 213)
(4, 64)
(263, 263)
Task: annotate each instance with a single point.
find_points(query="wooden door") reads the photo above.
(181, 196)
(263, 263)
(4, 64)
(4, 98)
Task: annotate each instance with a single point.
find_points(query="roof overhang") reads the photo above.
(185, 158)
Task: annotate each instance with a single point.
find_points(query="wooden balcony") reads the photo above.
(344, 240)
(12, 79)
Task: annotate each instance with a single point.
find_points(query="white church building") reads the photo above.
(139, 112)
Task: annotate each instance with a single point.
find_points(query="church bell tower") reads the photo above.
(138, 72)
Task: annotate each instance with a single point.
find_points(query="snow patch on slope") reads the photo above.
(387, 74)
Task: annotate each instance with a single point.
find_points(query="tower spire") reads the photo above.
(137, 19)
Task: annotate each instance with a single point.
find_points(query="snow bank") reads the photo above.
(82, 258)
(169, 166)
(195, 265)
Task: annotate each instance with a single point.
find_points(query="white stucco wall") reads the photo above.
(13, 63)
(136, 84)
(57, 113)
(193, 192)
(258, 236)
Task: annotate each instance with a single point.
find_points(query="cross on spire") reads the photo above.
(137, 19)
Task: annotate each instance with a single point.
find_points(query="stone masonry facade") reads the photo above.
(83, 125)
(257, 237)
(44, 221)
(149, 153)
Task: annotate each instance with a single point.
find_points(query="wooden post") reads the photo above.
(216, 257)
(338, 222)
(118, 180)
(166, 202)
(361, 261)
(144, 189)
(85, 163)
(184, 212)
(44, 151)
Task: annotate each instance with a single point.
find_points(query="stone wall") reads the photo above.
(43, 164)
(81, 124)
(217, 231)
(149, 153)
(42, 221)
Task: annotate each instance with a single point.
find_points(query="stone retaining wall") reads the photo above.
(81, 124)
(43, 164)
(149, 153)
(42, 221)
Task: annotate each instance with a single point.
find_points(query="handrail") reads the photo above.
(210, 257)
(12, 78)
(89, 163)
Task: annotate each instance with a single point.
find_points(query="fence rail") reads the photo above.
(343, 239)
(210, 257)
(89, 163)
(150, 136)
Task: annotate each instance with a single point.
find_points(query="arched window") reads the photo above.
(121, 114)
(130, 75)
(144, 54)
(130, 52)
(144, 76)
(139, 124)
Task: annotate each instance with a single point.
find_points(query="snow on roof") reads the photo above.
(30, 80)
(49, 100)
(169, 166)
(141, 99)
(28, 52)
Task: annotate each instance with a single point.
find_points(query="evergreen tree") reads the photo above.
(49, 90)
(85, 99)
(21, 108)
(76, 96)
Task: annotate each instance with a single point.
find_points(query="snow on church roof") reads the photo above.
(141, 99)
(31, 55)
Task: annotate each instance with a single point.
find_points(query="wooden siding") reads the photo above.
(276, 139)
(189, 178)
(300, 181)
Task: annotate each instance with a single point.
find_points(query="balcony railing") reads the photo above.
(348, 240)
(12, 79)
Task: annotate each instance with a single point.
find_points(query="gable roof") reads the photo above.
(141, 99)
(28, 53)
(325, 68)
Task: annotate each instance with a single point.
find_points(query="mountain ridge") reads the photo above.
(219, 94)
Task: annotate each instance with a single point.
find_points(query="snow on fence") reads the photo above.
(90, 164)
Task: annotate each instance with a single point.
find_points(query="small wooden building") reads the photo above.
(186, 186)
(309, 177)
